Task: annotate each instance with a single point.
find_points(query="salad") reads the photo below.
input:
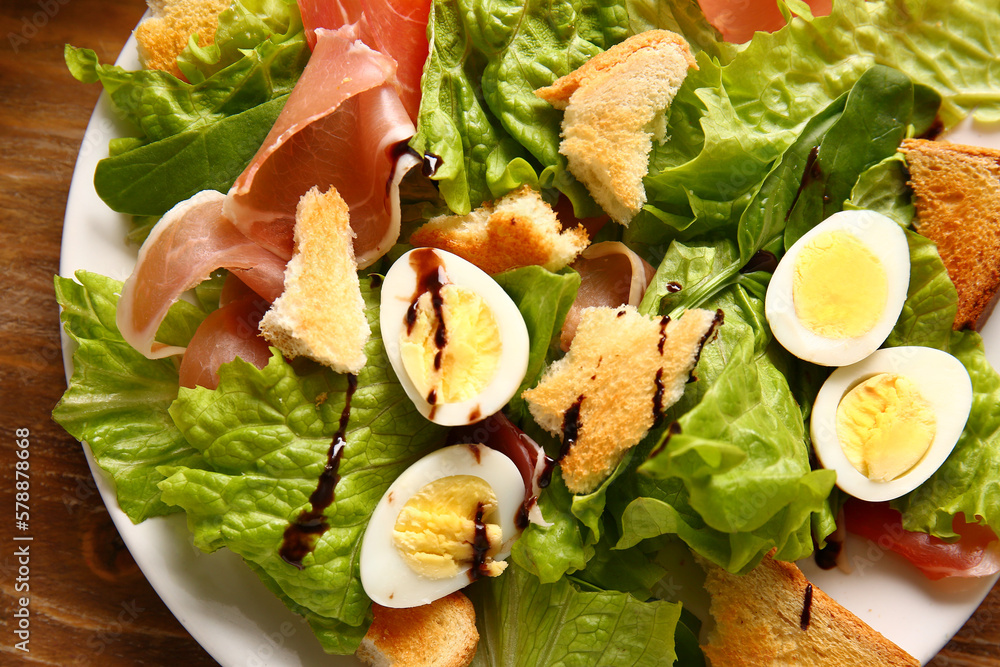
(727, 189)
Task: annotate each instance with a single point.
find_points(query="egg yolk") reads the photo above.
(885, 426)
(437, 531)
(839, 288)
(452, 352)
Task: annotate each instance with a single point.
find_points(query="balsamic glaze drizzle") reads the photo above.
(664, 321)
(806, 608)
(762, 260)
(480, 546)
(300, 537)
(672, 430)
(570, 427)
(712, 329)
(658, 397)
(827, 557)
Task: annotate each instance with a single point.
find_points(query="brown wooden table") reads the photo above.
(90, 605)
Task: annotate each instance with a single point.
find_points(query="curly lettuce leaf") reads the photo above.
(743, 108)
(243, 25)
(734, 479)
(117, 399)
(160, 105)
(966, 483)
(266, 435)
(479, 114)
(525, 622)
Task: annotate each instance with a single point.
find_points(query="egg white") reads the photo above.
(385, 576)
(940, 378)
(398, 290)
(887, 241)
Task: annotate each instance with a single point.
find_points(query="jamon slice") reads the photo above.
(611, 274)
(186, 245)
(343, 126)
(397, 28)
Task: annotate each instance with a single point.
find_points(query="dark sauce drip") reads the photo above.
(763, 260)
(430, 164)
(430, 278)
(480, 546)
(658, 396)
(712, 329)
(806, 608)
(499, 433)
(672, 430)
(521, 520)
(570, 427)
(476, 452)
(432, 397)
(811, 173)
(300, 537)
(674, 287)
(475, 415)
(826, 558)
(397, 151)
(620, 313)
(935, 129)
(664, 321)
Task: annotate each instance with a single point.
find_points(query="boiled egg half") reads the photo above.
(838, 291)
(455, 339)
(448, 519)
(886, 423)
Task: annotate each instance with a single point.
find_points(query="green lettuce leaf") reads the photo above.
(966, 483)
(150, 179)
(525, 622)
(743, 108)
(479, 113)
(267, 434)
(733, 480)
(543, 298)
(243, 26)
(562, 547)
(117, 399)
(160, 105)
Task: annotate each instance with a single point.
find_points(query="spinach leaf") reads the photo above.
(151, 179)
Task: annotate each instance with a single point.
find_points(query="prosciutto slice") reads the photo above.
(186, 245)
(975, 554)
(611, 274)
(227, 333)
(343, 126)
(397, 28)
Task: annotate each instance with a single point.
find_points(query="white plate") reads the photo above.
(239, 622)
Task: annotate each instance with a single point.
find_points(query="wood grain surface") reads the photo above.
(89, 603)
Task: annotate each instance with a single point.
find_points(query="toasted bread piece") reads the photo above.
(518, 230)
(440, 634)
(321, 313)
(958, 207)
(614, 108)
(621, 371)
(773, 616)
(161, 37)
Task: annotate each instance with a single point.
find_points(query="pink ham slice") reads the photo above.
(343, 126)
(397, 28)
(227, 333)
(186, 245)
(611, 274)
